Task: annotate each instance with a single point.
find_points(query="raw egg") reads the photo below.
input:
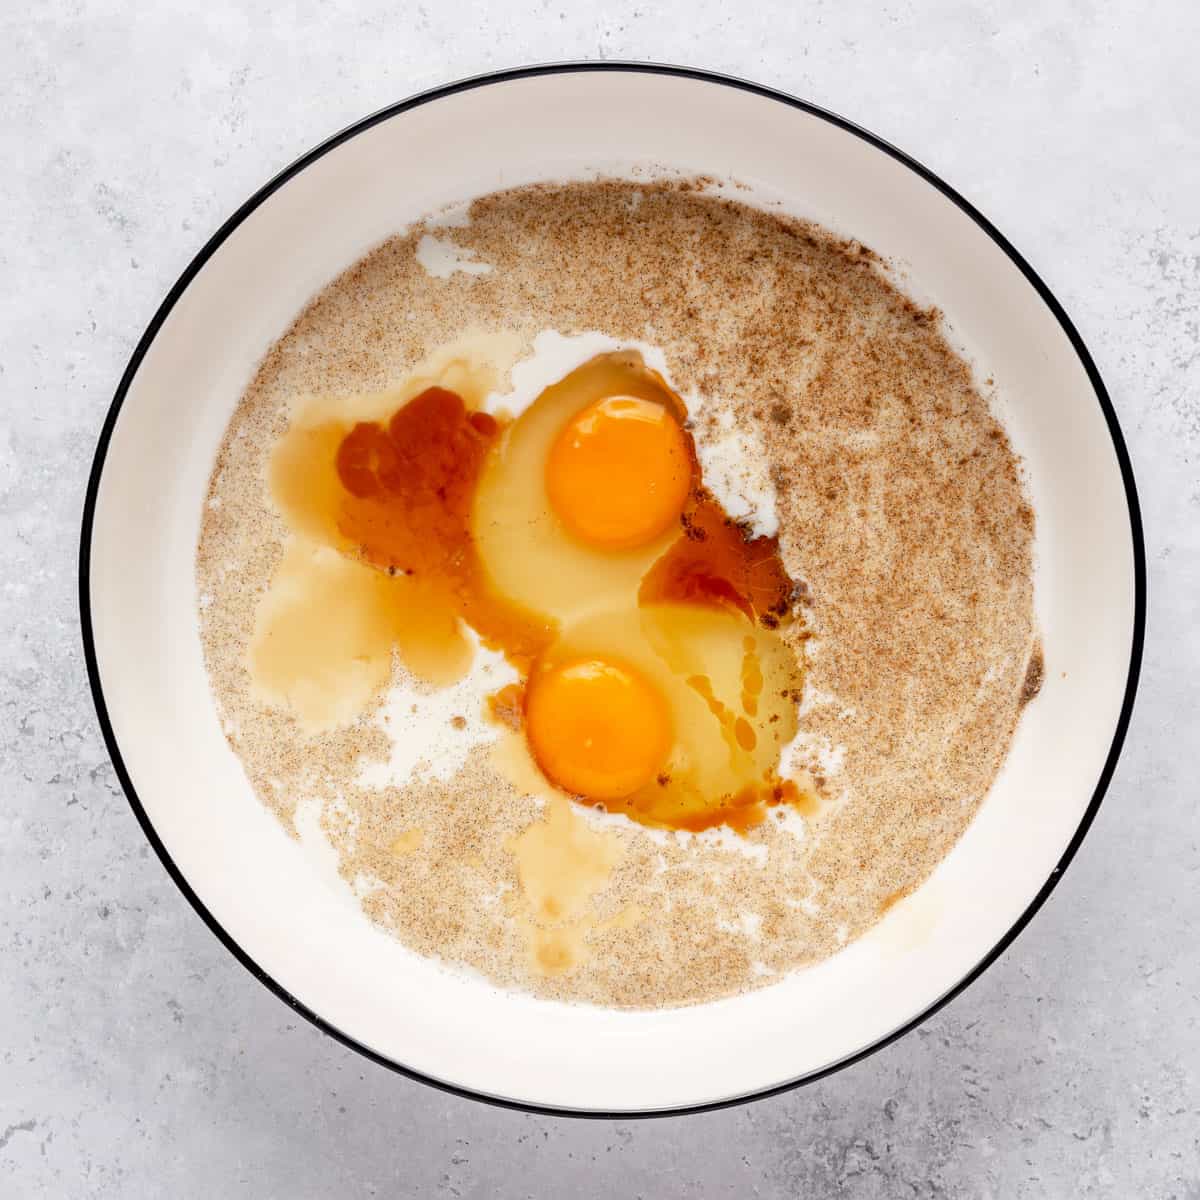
(673, 714)
(560, 511)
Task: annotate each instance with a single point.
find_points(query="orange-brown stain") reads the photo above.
(717, 563)
(507, 706)
(406, 508)
(805, 801)
(562, 865)
(894, 898)
(702, 686)
(752, 678)
(326, 671)
(741, 812)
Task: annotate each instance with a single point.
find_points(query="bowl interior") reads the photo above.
(281, 903)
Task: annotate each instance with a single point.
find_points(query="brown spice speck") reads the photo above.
(1035, 675)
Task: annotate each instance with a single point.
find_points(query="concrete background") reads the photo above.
(139, 1060)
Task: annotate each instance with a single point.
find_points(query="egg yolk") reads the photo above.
(597, 728)
(619, 472)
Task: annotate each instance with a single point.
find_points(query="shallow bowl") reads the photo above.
(273, 904)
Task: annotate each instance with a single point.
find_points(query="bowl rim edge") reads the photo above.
(485, 79)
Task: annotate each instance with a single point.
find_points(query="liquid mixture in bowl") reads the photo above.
(631, 585)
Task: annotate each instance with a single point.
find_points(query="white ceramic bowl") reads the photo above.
(257, 889)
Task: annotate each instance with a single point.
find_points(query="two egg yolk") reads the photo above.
(617, 477)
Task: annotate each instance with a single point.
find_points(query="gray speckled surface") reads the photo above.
(138, 1059)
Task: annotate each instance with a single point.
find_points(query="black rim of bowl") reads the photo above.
(478, 81)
